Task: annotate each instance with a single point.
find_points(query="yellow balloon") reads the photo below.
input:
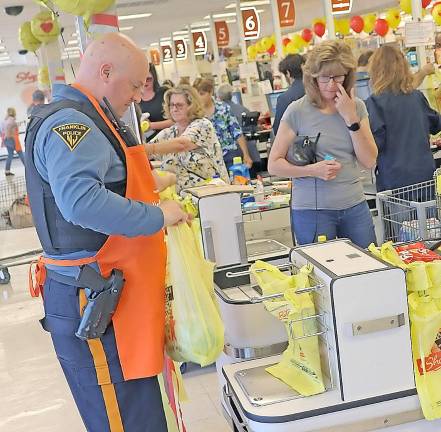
(369, 23)
(273, 39)
(393, 18)
(74, 7)
(266, 43)
(291, 48)
(252, 52)
(259, 47)
(44, 27)
(27, 39)
(298, 42)
(319, 20)
(43, 76)
(436, 13)
(285, 50)
(342, 26)
(97, 6)
(406, 6)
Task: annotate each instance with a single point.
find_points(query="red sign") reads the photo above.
(341, 6)
(251, 23)
(25, 77)
(200, 43)
(287, 13)
(222, 33)
(181, 49)
(167, 53)
(155, 57)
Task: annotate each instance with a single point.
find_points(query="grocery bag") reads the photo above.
(300, 366)
(194, 329)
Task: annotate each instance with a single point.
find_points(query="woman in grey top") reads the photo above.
(328, 196)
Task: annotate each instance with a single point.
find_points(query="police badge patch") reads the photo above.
(72, 133)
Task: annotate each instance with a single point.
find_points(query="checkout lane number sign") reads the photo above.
(222, 33)
(200, 43)
(287, 13)
(167, 53)
(181, 49)
(341, 6)
(251, 23)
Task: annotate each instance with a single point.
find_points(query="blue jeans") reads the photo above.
(10, 147)
(354, 223)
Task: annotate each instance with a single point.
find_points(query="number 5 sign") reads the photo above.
(200, 43)
(287, 13)
(222, 33)
(181, 49)
(251, 23)
(167, 55)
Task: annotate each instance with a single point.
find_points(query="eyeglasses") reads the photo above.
(323, 79)
(178, 106)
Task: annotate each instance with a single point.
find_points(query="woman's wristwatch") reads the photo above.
(354, 127)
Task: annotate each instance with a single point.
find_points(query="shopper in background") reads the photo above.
(189, 148)
(10, 139)
(362, 63)
(328, 197)
(291, 67)
(95, 201)
(38, 98)
(152, 101)
(168, 84)
(401, 121)
(226, 125)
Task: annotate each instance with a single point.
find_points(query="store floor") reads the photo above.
(33, 393)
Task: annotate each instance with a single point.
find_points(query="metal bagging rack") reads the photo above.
(14, 209)
(410, 213)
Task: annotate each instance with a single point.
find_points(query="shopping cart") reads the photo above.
(409, 213)
(14, 211)
(15, 261)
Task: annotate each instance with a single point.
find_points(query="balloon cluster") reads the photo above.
(265, 45)
(43, 28)
(84, 8)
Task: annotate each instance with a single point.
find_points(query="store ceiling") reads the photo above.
(167, 16)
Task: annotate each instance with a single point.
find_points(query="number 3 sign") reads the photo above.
(251, 23)
(181, 49)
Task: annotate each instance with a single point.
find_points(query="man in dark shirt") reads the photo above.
(291, 67)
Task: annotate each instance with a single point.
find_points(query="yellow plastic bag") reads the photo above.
(300, 366)
(194, 329)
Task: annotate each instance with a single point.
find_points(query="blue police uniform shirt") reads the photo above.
(77, 178)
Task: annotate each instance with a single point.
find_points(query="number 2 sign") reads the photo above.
(200, 43)
(167, 54)
(251, 23)
(287, 13)
(181, 49)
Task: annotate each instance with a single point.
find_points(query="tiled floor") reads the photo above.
(33, 393)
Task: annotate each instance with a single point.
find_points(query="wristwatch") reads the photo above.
(354, 127)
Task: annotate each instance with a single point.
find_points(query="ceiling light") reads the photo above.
(154, 44)
(74, 34)
(73, 42)
(222, 15)
(248, 3)
(181, 32)
(126, 28)
(5, 63)
(204, 29)
(201, 23)
(128, 17)
(230, 21)
(165, 39)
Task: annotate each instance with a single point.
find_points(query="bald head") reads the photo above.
(114, 67)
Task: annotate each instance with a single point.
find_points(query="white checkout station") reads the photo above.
(362, 326)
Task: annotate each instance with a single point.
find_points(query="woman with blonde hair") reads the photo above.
(190, 147)
(401, 121)
(10, 138)
(327, 196)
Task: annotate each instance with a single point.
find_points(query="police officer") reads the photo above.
(95, 202)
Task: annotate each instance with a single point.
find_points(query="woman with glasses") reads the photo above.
(327, 195)
(152, 100)
(189, 148)
(401, 121)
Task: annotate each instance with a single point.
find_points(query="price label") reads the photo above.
(251, 23)
(222, 33)
(181, 49)
(167, 54)
(287, 13)
(155, 57)
(200, 43)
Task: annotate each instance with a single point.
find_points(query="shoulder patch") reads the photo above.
(72, 133)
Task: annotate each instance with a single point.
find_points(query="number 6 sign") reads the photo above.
(251, 23)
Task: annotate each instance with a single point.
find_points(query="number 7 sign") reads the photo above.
(287, 13)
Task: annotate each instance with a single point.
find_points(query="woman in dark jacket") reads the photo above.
(401, 121)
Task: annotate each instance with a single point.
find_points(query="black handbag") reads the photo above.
(303, 150)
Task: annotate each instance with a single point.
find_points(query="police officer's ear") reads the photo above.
(105, 72)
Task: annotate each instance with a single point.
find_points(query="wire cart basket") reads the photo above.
(410, 213)
(14, 210)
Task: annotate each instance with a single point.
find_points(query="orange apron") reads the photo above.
(139, 320)
(17, 142)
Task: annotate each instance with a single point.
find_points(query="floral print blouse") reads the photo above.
(193, 167)
(226, 125)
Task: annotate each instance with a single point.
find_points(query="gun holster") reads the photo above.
(102, 299)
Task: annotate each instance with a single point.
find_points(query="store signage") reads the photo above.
(287, 13)
(420, 33)
(251, 23)
(341, 6)
(181, 49)
(200, 43)
(167, 53)
(25, 77)
(222, 33)
(155, 57)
